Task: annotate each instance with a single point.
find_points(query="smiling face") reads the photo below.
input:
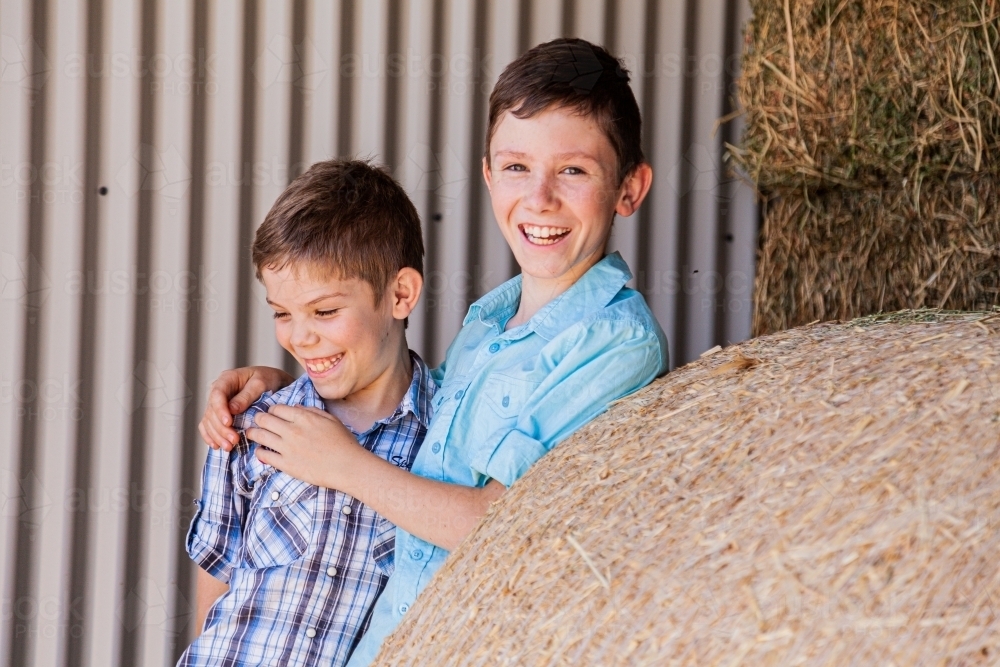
(347, 344)
(553, 181)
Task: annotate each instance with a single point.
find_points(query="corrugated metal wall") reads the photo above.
(140, 144)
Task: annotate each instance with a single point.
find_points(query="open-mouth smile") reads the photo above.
(543, 235)
(322, 366)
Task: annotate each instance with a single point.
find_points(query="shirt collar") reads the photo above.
(594, 290)
(417, 399)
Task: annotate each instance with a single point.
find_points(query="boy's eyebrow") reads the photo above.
(561, 156)
(316, 300)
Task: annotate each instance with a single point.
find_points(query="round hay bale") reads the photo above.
(823, 496)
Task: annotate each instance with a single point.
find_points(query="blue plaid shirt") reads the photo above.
(304, 564)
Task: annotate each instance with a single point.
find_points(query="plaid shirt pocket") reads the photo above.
(279, 528)
(384, 546)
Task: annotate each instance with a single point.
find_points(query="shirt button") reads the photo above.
(275, 495)
(346, 509)
(506, 401)
(331, 571)
(310, 633)
(403, 608)
(459, 394)
(495, 347)
(436, 447)
(416, 554)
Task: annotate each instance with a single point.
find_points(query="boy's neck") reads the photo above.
(378, 400)
(537, 292)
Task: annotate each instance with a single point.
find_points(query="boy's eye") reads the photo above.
(573, 171)
(515, 167)
(280, 316)
(325, 313)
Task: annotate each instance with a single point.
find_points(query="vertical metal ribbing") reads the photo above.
(725, 203)
(646, 67)
(21, 629)
(477, 127)
(345, 95)
(394, 56)
(274, 64)
(296, 116)
(610, 26)
(79, 626)
(432, 216)
(15, 109)
(248, 126)
(568, 22)
(181, 626)
(684, 183)
(135, 534)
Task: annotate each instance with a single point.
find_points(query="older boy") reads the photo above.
(537, 357)
(340, 255)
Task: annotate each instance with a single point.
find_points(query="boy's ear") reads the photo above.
(405, 292)
(634, 189)
(487, 173)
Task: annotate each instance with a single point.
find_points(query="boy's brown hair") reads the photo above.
(345, 216)
(578, 75)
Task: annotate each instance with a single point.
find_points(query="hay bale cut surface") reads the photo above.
(827, 495)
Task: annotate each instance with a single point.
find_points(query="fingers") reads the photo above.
(266, 438)
(247, 394)
(281, 412)
(209, 440)
(269, 458)
(215, 434)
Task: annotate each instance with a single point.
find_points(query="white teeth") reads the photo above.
(543, 235)
(323, 365)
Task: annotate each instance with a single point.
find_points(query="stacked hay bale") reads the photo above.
(873, 132)
(822, 496)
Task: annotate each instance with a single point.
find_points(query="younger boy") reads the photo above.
(538, 356)
(340, 255)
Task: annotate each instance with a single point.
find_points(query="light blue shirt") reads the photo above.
(508, 397)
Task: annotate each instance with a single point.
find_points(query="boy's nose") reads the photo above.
(541, 195)
(302, 335)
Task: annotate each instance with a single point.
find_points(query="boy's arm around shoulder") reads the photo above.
(588, 366)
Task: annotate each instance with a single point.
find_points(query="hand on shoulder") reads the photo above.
(232, 393)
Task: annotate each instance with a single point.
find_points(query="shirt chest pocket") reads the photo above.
(280, 524)
(507, 397)
(384, 546)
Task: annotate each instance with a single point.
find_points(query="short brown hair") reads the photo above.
(347, 216)
(575, 74)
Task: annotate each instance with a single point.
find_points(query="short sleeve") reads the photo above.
(215, 536)
(589, 366)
